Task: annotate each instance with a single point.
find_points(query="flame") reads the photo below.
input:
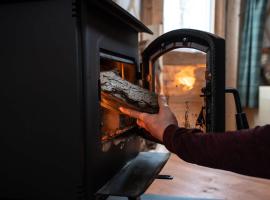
(186, 78)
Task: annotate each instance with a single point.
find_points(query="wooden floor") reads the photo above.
(196, 181)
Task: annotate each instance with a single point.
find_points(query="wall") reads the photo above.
(132, 6)
(228, 17)
(232, 36)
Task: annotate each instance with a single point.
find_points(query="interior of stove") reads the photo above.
(113, 123)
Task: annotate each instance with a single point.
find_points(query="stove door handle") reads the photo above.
(241, 118)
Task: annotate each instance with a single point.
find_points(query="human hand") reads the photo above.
(155, 124)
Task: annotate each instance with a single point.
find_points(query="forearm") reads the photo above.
(245, 152)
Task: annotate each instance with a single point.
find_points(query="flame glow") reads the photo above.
(186, 78)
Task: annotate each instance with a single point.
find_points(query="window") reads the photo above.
(195, 14)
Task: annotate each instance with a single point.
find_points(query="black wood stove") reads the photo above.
(57, 141)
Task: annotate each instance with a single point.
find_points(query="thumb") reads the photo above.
(162, 102)
(140, 123)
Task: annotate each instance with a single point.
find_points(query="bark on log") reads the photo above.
(116, 92)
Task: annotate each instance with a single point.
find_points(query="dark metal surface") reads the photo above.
(135, 177)
(101, 166)
(41, 145)
(50, 145)
(240, 116)
(115, 10)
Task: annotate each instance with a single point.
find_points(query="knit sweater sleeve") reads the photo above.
(246, 151)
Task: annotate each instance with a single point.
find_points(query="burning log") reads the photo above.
(116, 92)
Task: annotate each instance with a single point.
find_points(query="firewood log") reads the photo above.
(116, 92)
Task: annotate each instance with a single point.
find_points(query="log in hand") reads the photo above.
(155, 124)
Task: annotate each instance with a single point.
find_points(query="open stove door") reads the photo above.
(214, 47)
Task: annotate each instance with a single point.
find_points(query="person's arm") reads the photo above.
(246, 152)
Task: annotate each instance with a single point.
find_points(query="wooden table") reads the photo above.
(201, 182)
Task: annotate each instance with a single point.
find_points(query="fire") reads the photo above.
(187, 82)
(186, 78)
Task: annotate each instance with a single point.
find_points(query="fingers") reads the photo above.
(140, 123)
(132, 113)
(135, 114)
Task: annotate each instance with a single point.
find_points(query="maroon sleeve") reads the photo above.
(245, 152)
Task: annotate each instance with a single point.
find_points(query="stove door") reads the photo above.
(213, 92)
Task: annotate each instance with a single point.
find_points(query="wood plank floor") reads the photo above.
(201, 182)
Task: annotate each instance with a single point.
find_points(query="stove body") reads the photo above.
(52, 53)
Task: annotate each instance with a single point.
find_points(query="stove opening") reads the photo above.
(113, 123)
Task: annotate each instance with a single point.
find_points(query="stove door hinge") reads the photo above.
(75, 9)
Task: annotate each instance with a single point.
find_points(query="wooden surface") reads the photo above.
(201, 182)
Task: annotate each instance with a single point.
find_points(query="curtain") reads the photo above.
(250, 52)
